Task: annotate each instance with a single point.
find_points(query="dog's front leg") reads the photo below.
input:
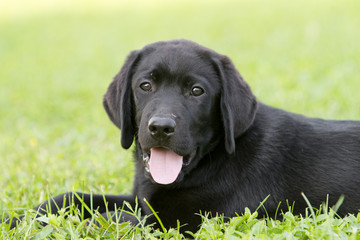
(86, 203)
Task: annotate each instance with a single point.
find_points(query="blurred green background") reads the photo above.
(58, 57)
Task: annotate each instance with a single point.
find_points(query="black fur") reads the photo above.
(238, 150)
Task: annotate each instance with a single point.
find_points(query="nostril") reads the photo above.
(168, 130)
(152, 129)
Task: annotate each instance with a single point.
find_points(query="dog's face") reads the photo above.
(174, 97)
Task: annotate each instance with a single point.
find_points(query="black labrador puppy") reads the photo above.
(204, 143)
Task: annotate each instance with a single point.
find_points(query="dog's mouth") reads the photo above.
(165, 165)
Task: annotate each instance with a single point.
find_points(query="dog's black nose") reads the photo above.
(161, 127)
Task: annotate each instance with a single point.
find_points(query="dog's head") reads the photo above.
(179, 100)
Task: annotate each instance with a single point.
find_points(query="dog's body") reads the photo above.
(205, 144)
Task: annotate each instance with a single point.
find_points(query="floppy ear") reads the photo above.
(238, 104)
(117, 101)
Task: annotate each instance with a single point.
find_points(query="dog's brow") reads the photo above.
(195, 76)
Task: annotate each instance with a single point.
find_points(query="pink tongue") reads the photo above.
(164, 165)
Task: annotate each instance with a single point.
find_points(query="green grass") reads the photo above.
(319, 224)
(56, 62)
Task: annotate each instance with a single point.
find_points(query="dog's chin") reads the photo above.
(188, 160)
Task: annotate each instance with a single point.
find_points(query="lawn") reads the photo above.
(58, 57)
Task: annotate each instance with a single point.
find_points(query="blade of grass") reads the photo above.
(310, 207)
(156, 216)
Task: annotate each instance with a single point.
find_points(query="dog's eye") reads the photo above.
(146, 86)
(197, 91)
